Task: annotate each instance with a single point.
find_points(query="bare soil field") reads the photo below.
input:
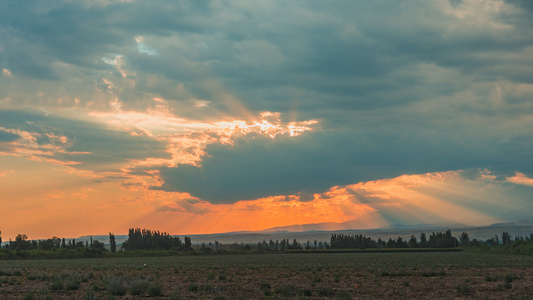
(449, 275)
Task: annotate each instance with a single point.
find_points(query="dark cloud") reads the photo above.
(104, 149)
(398, 87)
(524, 4)
(314, 162)
(8, 136)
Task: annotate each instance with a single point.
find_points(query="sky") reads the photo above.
(195, 117)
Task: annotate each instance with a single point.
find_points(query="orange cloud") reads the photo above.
(28, 147)
(520, 178)
(186, 139)
(4, 173)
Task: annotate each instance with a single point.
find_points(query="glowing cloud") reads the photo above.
(520, 178)
(186, 140)
(30, 145)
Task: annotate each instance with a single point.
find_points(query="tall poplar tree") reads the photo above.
(112, 242)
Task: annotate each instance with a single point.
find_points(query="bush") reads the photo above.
(73, 285)
(155, 290)
(463, 289)
(116, 287)
(324, 291)
(90, 296)
(29, 296)
(56, 285)
(193, 287)
(507, 285)
(138, 287)
(306, 292)
(510, 277)
(265, 286)
(286, 290)
(343, 295)
(175, 297)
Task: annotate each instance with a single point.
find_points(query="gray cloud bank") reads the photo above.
(398, 87)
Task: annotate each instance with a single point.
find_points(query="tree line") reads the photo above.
(21, 242)
(150, 240)
(435, 240)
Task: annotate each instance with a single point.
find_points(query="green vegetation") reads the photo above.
(146, 243)
(436, 240)
(520, 246)
(145, 239)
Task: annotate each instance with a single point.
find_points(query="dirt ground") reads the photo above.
(458, 275)
(266, 283)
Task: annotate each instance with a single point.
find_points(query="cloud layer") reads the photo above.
(216, 102)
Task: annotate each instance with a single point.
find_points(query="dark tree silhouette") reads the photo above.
(436, 240)
(144, 239)
(112, 242)
(423, 240)
(506, 238)
(412, 242)
(464, 239)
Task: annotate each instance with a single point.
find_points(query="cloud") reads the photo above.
(81, 148)
(520, 178)
(4, 173)
(315, 161)
(187, 205)
(6, 136)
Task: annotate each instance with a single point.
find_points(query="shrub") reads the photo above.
(306, 292)
(343, 295)
(57, 285)
(29, 296)
(155, 290)
(175, 297)
(324, 291)
(208, 288)
(265, 286)
(116, 287)
(507, 285)
(138, 287)
(73, 285)
(463, 289)
(90, 296)
(286, 290)
(510, 277)
(193, 287)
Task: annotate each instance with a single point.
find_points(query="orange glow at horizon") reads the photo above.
(85, 208)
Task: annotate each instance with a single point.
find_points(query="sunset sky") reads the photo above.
(212, 116)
